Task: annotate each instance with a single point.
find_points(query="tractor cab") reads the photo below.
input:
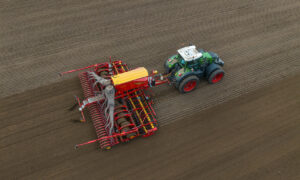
(191, 57)
(189, 53)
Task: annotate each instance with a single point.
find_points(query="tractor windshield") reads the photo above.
(178, 57)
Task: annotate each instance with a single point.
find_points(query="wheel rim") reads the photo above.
(189, 86)
(217, 77)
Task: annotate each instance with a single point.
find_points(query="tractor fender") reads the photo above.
(185, 75)
(211, 68)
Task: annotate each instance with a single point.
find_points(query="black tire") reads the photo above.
(172, 73)
(167, 69)
(193, 80)
(216, 76)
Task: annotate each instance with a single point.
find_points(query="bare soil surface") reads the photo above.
(246, 127)
(255, 136)
(258, 40)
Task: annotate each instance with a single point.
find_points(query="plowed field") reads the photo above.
(246, 127)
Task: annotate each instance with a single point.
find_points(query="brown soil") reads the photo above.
(246, 127)
(255, 136)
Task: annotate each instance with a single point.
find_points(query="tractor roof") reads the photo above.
(189, 53)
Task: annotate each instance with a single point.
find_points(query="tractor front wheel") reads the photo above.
(188, 84)
(216, 76)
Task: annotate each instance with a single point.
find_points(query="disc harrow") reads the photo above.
(94, 110)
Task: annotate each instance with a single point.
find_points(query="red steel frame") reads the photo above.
(143, 109)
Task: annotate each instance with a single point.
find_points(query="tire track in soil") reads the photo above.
(222, 148)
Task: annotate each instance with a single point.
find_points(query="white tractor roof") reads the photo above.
(189, 53)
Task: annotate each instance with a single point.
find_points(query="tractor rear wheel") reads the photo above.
(216, 76)
(188, 84)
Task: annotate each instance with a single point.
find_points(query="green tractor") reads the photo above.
(186, 68)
